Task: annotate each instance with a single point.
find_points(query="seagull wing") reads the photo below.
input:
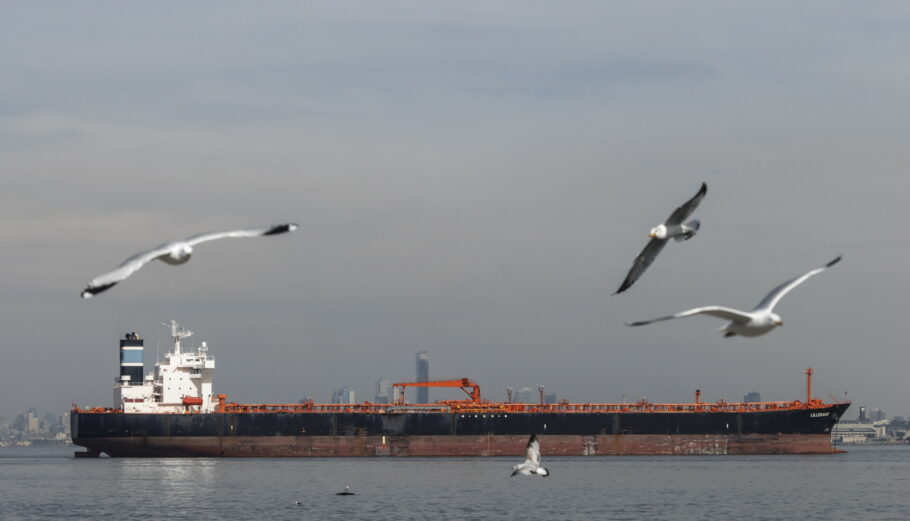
(211, 236)
(534, 450)
(644, 259)
(778, 293)
(683, 212)
(126, 268)
(715, 311)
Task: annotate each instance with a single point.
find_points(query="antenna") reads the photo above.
(178, 332)
(809, 385)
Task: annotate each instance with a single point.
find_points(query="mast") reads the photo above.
(808, 385)
(178, 332)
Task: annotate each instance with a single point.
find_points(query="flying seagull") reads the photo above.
(176, 252)
(674, 228)
(531, 464)
(748, 323)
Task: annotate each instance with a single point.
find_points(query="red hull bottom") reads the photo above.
(372, 446)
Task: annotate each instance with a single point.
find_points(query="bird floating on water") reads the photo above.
(673, 228)
(176, 252)
(748, 323)
(345, 492)
(531, 465)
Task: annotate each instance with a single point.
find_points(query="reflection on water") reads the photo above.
(171, 481)
(869, 483)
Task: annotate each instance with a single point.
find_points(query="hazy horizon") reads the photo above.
(470, 179)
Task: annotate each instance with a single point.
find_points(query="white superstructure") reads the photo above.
(182, 382)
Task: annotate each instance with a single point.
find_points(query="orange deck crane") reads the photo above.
(463, 384)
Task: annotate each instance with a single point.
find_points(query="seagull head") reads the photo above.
(658, 232)
(776, 320)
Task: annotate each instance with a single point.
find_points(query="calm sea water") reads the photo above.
(868, 483)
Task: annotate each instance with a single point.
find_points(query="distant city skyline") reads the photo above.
(30, 426)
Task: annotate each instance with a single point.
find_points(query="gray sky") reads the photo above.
(470, 179)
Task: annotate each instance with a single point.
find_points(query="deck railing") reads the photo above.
(466, 406)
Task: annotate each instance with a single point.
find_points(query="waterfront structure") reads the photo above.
(854, 432)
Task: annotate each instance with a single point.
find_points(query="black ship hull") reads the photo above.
(292, 434)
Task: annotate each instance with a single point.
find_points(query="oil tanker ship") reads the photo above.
(172, 412)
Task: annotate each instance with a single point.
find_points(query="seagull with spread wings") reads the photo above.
(176, 252)
(531, 465)
(672, 228)
(757, 322)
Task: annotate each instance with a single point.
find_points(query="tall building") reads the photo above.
(752, 397)
(344, 395)
(383, 391)
(549, 397)
(5, 429)
(876, 415)
(423, 375)
(32, 422)
(526, 395)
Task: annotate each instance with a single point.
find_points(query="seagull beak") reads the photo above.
(652, 235)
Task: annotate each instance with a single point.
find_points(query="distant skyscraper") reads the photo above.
(33, 422)
(344, 395)
(549, 397)
(383, 391)
(752, 397)
(423, 375)
(65, 422)
(526, 395)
